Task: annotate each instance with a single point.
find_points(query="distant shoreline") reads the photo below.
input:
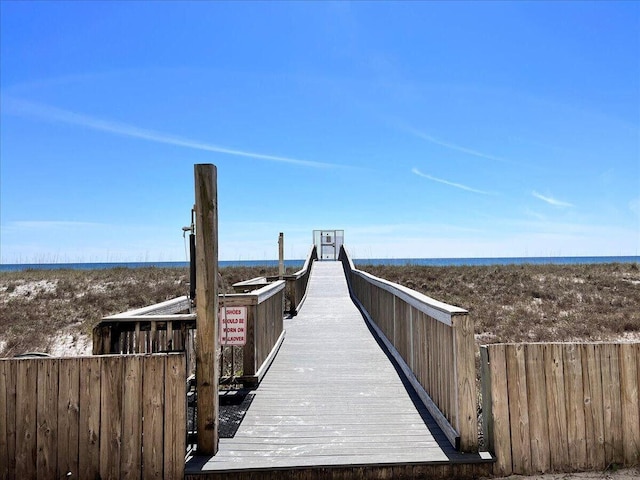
(13, 267)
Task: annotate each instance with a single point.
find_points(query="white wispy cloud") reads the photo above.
(16, 106)
(551, 201)
(458, 148)
(451, 184)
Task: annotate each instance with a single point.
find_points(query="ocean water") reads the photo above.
(443, 262)
(360, 261)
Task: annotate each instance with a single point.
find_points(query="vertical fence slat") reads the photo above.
(420, 345)
(538, 414)
(137, 338)
(610, 361)
(518, 409)
(4, 434)
(170, 342)
(131, 456)
(68, 416)
(576, 430)
(432, 338)
(89, 428)
(593, 410)
(448, 381)
(485, 386)
(401, 320)
(175, 417)
(26, 427)
(47, 418)
(556, 407)
(111, 417)
(636, 347)
(500, 410)
(153, 412)
(629, 398)
(441, 360)
(249, 350)
(441, 381)
(260, 328)
(11, 373)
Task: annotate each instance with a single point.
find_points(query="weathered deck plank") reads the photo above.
(331, 398)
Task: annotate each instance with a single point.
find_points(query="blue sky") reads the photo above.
(422, 129)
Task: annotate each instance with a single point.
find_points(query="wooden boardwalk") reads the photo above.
(332, 398)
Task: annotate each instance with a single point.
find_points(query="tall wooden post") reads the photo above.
(207, 307)
(281, 256)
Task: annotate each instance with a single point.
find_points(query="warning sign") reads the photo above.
(233, 324)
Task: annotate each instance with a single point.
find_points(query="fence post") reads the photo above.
(464, 351)
(207, 307)
(281, 256)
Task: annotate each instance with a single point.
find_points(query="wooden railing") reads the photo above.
(561, 406)
(433, 343)
(265, 328)
(297, 283)
(166, 327)
(93, 417)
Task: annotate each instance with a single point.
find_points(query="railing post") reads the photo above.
(281, 256)
(464, 358)
(249, 350)
(207, 307)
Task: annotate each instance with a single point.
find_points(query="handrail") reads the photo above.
(424, 303)
(254, 297)
(435, 309)
(297, 282)
(249, 285)
(311, 257)
(174, 305)
(433, 343)
(176, 317)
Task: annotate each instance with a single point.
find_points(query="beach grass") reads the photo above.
(534, 303)
(54, 311)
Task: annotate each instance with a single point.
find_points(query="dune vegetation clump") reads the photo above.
(54, 311)
(534, 303)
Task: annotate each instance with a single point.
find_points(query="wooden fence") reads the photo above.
(561, 406)
(433, 343)
(162, 328)
(94, 417)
